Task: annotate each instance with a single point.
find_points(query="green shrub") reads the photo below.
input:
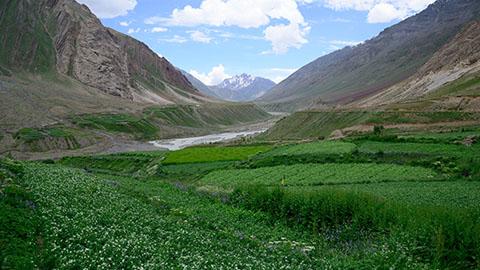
(448, 238)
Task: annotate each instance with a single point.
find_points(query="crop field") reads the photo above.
(211, 154)
(454, 194)
(420, 148)
(317, 174)
(106, 222)
(366, 203)
(325, 148)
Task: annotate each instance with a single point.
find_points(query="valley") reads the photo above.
(112, 157)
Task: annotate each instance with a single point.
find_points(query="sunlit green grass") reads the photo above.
(317, 174)
(210, 154)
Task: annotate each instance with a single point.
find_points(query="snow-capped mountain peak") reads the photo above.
(238, 82)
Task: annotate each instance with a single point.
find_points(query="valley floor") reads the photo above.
(378, 200)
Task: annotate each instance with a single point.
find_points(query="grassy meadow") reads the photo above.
(407, 201)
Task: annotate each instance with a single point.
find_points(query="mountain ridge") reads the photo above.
(239, 88)
(68, 39)
(396, 54)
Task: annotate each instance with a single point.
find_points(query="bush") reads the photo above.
(449, 238)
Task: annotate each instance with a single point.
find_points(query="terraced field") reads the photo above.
(370, 202)
(420, 148)
(317, 174)
(323, 147)
(107, 222)
(211, 154)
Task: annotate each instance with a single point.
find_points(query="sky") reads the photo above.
(217, 39)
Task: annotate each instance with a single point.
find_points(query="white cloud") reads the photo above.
(199, 36)
(284, 37)
(107, 9)
(214, 77)
(125, 23)
(384, 13)
(133, 30)
(247, 14)
(381, 11)
(159, 29)
(175, 39)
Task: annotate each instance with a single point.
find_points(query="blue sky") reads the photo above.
(215, 39)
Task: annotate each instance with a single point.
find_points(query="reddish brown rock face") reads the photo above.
(76, 44)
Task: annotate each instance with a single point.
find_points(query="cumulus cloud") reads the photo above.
(247, 14)
(133, 30)
(284, 36)
(199, 36)
(384, 13)
(381, 11)
(214, 77)
(107, 9)
(159, 29)
(175, 39)
(124, 23)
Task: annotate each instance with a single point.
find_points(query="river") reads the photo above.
(180, 143)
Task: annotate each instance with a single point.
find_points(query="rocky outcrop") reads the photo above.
(86, 50)
(64, 36)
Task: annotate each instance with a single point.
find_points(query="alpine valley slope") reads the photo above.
(443, 94)
(395, 55)
(59, 66)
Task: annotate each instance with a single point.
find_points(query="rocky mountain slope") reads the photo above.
(62, 36)
(458, 61)
(67, 83)
(396, 54)
(243, 87)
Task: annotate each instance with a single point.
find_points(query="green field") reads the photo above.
(369, 202)
(317, 174)
(323, 147)
(454, 194)
(139, 127)
(420, 148)
(107, 222)
(210, 154)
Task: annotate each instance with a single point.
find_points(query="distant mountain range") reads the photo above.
(409, 50)
(239, 88)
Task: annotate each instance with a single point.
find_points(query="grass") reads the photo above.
(446, 238)
(450, 194)
(138, 127)
(48, 138)
(468, 85)
(107, 222)
(138, 163)
(209, 115)
(20, 227)
(317, 174)
(30, 135)
(369, 203)
(309, 124)
(211, 154)
(27, 45)
(321, 148)
(420, 148)
(321, 124)
(405, 117)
